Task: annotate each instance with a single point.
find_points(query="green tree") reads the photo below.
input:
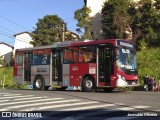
(115, 18)
(48, 30)
(146, 19)
(84, 21)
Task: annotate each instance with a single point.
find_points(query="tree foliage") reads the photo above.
(142, 17)
(48, 30)
(84, 21)
(146, 18)
(115, 18)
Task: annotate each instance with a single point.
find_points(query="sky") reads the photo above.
(22, 15)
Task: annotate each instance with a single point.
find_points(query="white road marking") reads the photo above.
(4, 93)
(34, 104)
(88, 107)
(62, 105)
(125, 108)
(11, 94)
(39, 100)
(141, 106)
(30, 98)
(1, 101)
(16, 97)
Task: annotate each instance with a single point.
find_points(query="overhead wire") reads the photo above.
(14, 23)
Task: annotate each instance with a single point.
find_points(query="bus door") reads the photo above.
(57, 67)
(105, 59)
(28, 57)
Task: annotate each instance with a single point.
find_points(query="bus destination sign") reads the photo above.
(125, 44)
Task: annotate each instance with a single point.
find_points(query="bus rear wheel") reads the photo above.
(88, 85)
(39, 83)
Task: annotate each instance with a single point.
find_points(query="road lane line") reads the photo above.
(61, 105)
(4, 93)
(1, 101)
(16, 97)
(34, 104)
(12, 94)
(38, 100)
(140, 107)
(29, 98)
(89, 107)
(126, 108)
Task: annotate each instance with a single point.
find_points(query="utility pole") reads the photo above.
(63, 31)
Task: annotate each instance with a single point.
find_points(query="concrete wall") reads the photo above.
(22, 41)
(6, 52)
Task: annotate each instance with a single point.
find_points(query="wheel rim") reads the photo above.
(38, 83)
(89, 84)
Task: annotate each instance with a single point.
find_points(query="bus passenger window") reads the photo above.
(44, 60)
(68, 56)
(19, 59)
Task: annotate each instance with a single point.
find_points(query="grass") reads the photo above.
(7, 74)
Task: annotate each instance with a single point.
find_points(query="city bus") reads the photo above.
(87, 65)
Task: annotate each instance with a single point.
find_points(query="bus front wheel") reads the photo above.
(88, 85)
(39, 83)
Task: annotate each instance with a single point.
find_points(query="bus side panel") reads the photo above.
(19, 76)
(77, 71)
(66, 75)
(42, 70)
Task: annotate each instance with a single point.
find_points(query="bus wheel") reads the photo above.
(39, 83)
(88, 85)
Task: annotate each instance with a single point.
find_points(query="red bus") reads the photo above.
(88, 65)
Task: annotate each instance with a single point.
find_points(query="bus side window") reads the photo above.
(87, 54)
(19, 59)
(68, 56)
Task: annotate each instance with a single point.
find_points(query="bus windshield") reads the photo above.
(127, 58)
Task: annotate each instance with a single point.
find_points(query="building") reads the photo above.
(6, 52)
(96, 7)
(22, 40)
(69, 35)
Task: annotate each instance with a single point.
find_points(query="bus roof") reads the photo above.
(73, 43)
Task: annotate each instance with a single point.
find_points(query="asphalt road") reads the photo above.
(62, 104)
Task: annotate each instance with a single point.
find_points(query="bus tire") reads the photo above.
(88, 84)
(39, 83)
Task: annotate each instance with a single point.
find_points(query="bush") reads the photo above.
(148, 62)
(8, 72)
